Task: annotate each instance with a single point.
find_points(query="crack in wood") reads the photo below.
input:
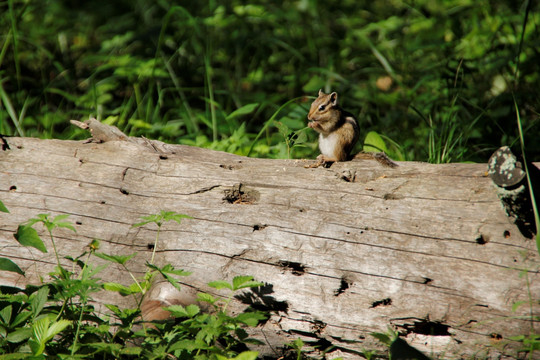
(203, 190)
(449, 291)
(258, 227)
(412, 251)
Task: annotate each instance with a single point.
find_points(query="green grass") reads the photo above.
(175, 73)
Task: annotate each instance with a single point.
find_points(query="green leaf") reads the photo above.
(8, 265)
(66, 225)
(177, 311)
(374, 143)
(35, 346)
(38, 300)
(180, 311)
(173, 216)
(188, 345)
(246, 355)
(220, 284)
(58, 218)
(517, 304)
(244, 110)
(130, 350)
(19, 335)
(5, 314)
(21, 318)
(119, 259)
(39, 332)
(115, 309)
(3, 208)
(250, 318)
(241, 282)
(106, 347)
(206, 298)
(146, 221)
(169, 269)
(56, 328)
(26, 235)
(269, 122)
(119, 288)
(162, 217)
(192, 310)
(282, 128)
(384, 338)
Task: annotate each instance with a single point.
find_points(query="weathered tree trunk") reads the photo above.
(347, 250)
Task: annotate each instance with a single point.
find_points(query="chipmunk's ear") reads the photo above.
(320, 92)
(333, 98)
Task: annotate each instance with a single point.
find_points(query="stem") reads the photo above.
(155, 245)
(530, 300)
(134, 279)
(54, 247)
(138, 101)
(77, 332)
(73, 347)
(270, 122)
(208, 71)
(61, 310)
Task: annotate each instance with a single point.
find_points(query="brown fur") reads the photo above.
(338, 129)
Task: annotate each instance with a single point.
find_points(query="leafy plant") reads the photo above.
(213, 334)
(26, 235)
(56, 319)
(375, 142)
(292, 138)
(159, 219)
(5, 263)
(530, 341)
(398, 348)
(297, 346)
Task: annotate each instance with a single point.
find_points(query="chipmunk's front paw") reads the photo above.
(322, 161)
(325, 161)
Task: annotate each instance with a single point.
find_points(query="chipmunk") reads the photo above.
(338, 132)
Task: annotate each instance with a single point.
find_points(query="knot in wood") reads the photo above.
(241, 194)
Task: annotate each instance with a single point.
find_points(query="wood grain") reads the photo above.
(346, 251)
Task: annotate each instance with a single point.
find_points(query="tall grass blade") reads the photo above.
(11, 110)
(520, 46)
(14, 34)
(271, 121)
(210, 89)
(5, 47)
(529, 182)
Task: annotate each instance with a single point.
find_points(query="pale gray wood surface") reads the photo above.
(419, 248)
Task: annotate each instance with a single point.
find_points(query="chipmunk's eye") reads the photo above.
(321, 108)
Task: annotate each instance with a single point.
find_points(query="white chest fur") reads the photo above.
(328, 144)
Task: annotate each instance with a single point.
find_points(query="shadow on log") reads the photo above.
(425, 249)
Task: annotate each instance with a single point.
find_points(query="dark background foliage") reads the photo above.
(438, 80)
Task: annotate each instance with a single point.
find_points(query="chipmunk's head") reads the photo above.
(324, 112)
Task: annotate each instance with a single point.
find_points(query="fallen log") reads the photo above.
(345, 251)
